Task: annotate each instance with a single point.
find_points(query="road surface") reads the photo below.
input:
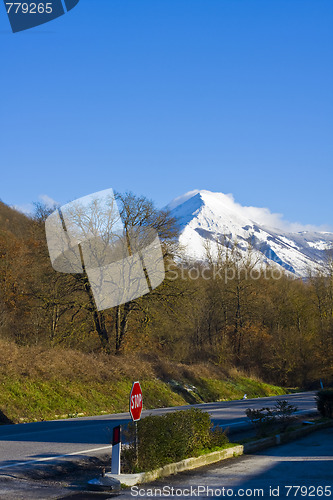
(29, 445)
(276, 472)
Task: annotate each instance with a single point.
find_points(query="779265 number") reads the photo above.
(29, 8)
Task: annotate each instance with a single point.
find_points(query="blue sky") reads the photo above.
(161, 97)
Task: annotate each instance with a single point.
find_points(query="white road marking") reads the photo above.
(247, 422)
(48, 459)
(302, 459)
(236, 423)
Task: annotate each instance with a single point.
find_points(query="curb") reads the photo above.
(216, 456)
(183, 465)
(278, 439)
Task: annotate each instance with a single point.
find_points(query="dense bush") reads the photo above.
(170, 438)
(324, 400)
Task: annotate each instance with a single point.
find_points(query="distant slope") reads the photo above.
(13, 221)
(214, 218)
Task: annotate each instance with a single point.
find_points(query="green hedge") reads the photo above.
(324, 400)
(170, 438)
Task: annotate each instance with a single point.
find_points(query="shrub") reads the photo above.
(324, 400)
(218, 438)
(170, 438)
(281, 414)
(284, 413)
(261, 419)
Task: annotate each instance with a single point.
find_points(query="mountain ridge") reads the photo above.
(215, 218)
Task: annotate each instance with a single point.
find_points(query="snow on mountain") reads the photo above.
(215, 218)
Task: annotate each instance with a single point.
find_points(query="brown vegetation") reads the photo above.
(280, 330)
(51, 382)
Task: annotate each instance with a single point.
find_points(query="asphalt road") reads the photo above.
(27, 445)
(300, 469)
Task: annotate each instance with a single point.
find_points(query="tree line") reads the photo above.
(227, 310)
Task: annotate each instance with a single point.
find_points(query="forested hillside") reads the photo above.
(278, 329)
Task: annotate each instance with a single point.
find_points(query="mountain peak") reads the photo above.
(215, 217)
(201, 194)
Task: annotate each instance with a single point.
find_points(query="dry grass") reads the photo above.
(39, 383)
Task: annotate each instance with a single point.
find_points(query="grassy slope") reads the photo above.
(45, 384)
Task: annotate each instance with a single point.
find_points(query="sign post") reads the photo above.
(135, 409)
(116, 449)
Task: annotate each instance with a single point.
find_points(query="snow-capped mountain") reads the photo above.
(215, 218)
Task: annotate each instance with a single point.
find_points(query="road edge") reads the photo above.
(217, 456)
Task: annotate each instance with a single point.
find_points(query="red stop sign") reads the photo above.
(135, 403)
